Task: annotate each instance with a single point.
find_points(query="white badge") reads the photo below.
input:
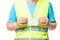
(33, 22)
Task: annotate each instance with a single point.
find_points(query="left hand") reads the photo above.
(43, 20)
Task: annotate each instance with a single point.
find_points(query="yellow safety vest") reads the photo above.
(22, 10)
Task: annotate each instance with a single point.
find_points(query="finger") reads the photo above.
(23, 19)
(43, 22)
(45, 19)
(18, 23)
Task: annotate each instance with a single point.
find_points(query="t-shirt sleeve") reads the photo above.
(12, 16)
(51, 13)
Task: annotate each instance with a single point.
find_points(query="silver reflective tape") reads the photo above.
(32, 28)
(21, 39)
(39, 29)
(38, 39)
(23, 30)
(31, 39)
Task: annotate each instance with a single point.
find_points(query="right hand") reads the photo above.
(43, 20)
(21, 20)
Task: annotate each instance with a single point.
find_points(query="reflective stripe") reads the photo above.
(32, 28)
(39, 29)
(22, 30)
(22, 39)
(31, 39)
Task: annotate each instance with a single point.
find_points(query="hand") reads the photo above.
(43, 20)
(21, 20)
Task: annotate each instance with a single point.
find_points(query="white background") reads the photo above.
(5, 8)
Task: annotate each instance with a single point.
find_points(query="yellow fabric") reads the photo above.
(22, 10)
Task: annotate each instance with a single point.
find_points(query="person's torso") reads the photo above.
(32, 31)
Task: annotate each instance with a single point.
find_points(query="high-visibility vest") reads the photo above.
(26, 32)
